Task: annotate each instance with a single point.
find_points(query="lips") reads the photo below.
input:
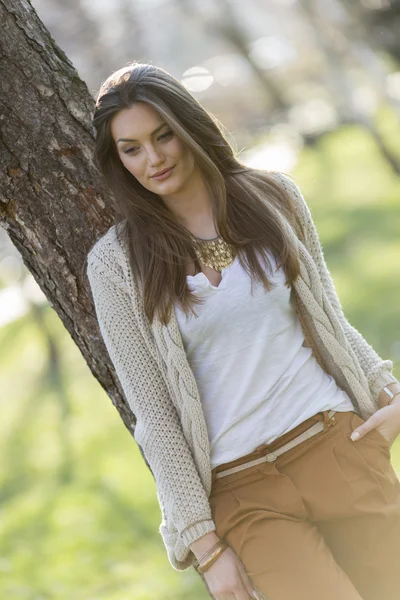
(162, 172)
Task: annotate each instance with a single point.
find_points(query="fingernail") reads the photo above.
(354, 436)
(256, 595)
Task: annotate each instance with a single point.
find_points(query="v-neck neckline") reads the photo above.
(202, 280)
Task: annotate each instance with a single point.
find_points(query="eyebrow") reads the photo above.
(132, 140)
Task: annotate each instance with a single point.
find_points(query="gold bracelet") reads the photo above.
(212, 554)
(203, 567)
(389, 394)
(208, 551)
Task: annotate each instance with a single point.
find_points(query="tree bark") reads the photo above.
(53, 201)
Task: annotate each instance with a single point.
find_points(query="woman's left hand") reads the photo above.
(386, 420)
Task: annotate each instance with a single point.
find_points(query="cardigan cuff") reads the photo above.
(196, 531)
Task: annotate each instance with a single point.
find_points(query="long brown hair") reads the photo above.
(245, 201)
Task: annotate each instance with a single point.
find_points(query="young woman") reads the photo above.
(245, 378)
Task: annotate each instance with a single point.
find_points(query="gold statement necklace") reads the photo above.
(215, 253)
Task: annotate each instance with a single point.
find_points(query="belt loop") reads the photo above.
(327, 420)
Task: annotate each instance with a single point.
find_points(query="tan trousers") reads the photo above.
(321, 522)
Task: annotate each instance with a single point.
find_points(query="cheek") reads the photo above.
(133, 167)
(184, 156)
(189, 162)
(177, 148)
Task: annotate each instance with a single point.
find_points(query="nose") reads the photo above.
(155, 157)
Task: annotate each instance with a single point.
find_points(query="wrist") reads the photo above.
(396, 399)
(385, 398)
(204, 543)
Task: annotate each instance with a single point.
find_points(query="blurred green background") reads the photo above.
(79, 515)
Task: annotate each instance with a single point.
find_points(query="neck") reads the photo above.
(192, 207)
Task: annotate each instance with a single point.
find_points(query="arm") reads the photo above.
(377, 370)
(158, 431)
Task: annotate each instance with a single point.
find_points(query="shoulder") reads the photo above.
(302, 210)
(290, 185)
(298, 206)
(108, 253)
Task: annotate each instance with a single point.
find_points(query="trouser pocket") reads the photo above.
(366, 464)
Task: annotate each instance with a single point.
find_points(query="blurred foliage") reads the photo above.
(79, 514)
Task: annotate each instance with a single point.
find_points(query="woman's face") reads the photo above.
(146, 146)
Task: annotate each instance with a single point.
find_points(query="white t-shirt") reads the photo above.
(256, 379)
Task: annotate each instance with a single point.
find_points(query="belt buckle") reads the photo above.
(271, 457)
(328, 421)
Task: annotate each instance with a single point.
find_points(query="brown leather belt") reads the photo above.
(271, 456)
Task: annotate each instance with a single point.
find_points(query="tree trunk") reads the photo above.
(53, 201)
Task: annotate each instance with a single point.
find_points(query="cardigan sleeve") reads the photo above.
(377, 371)
(180, 492)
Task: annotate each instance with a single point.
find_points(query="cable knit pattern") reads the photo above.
(376, 370)
(161, 390)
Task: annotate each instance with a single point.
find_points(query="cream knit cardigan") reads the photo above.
(159, 385)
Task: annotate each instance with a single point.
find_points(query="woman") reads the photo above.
(245, 378)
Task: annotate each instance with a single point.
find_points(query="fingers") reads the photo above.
(227, 579)
(364, 428)
(249, 587)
